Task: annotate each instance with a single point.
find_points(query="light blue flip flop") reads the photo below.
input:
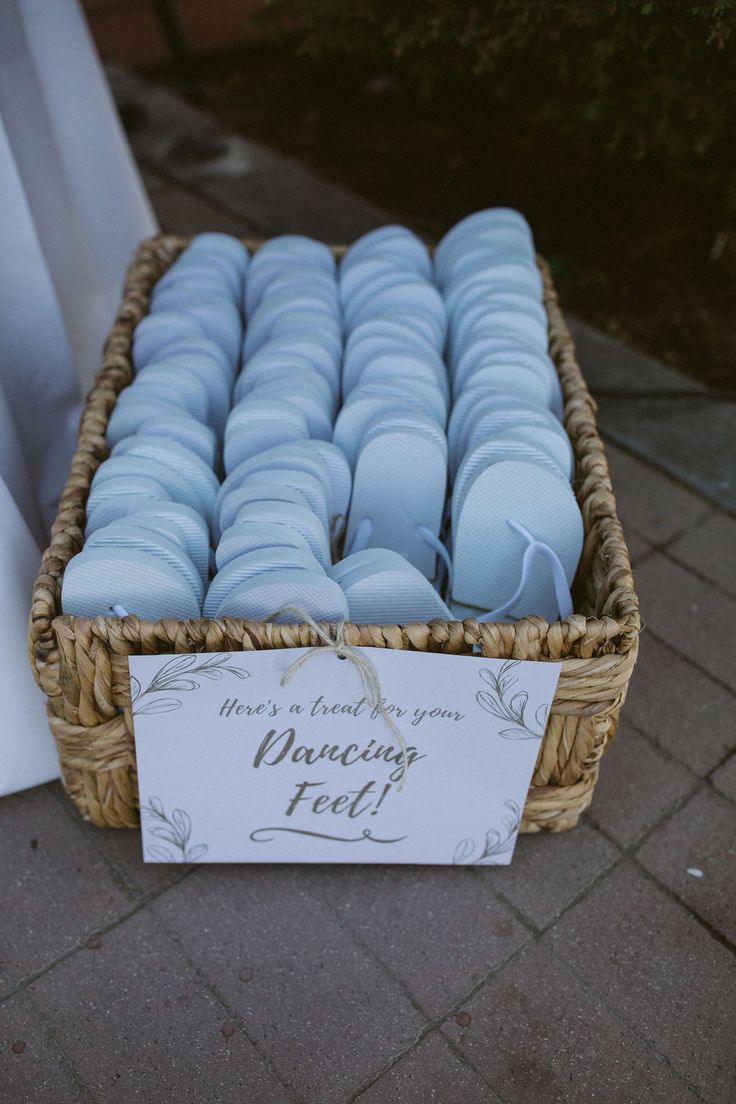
(252, 536)
(309, 349)
(429, 395)
(170, 457)
(116, 497)
(185, 430)
(213, 243)
(293, 456)
(275, 278)
(191, 347)
(133, 408)
(283, 480)
(219, 319)
(257, 489)
(255, 425)
(186, 521)
(156, 331)
(292, 592)
(294, 249)
(192, 374)
(494, 451)
(356, 418)
(398, 490)
(201, 264)
(391, 591)
(98, 579)
(168, 546)
(121, 468)
(286, 372)
(389, 240)
(331, 461)
(299, 518)
(494, 376)
(556, 445)
(357, 276)
(488, 553)
(175, 294)
(248, 565)
(479, 265)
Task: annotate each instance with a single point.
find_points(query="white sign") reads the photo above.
(235, 767)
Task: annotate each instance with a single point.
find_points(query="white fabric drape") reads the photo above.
(72, 210)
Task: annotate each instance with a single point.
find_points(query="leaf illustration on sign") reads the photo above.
(182, 673)
(175, 831)
(497, 841)
(509, 705)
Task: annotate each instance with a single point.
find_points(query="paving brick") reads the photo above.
(540, 1037)
(122, 849)
(438, 929)
(637, 785)
(181, 141)
(550, 870)
(658, 969)
(709, 549)
(700, 837)
(316, 1002)
(609, 365)
(687, 713)
(724, 779)
(140, 1024)
(33, 1069)
(180, 212)
(267, 192)
(55, 889)
(691, 437)
(690, 615)
(284, 201)
(431, 1072)
(648, 502)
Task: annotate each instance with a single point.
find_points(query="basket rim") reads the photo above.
(615, 632)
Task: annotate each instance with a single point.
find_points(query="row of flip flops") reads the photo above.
(515, 527)
(285, 482)
(395, 398)
(151, 509)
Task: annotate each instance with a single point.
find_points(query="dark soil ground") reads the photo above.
(647, 255)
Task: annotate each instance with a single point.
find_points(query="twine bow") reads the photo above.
(366, 670)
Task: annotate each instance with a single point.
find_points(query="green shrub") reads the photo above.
(649, 77)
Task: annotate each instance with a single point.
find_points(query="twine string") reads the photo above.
(366, 670)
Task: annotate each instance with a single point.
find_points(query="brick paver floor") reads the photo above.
(598, 967)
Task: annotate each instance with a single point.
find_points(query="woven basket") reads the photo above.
(81, 664)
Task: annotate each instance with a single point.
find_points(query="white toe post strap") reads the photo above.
(362, 536)
(533, 549)
(436, 544)
(364, 531)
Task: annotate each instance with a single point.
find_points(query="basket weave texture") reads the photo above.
(81, 663)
